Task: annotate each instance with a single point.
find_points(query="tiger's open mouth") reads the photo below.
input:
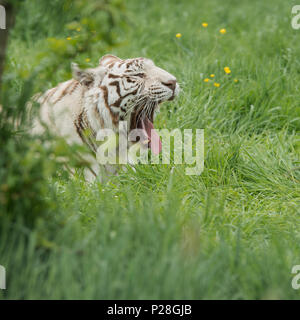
(139, 120)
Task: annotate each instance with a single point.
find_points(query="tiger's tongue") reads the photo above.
(155, 142)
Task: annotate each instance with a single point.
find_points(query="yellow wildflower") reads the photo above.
(87, 59)
(212, 75)
(178, 35)
(78, 29)
(204, 24)
(206, 80)
(69, 38)
(227, 70)
(236, 80)
(223, 31)
(216, 84)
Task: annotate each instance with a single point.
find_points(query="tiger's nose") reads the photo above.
(170, 84)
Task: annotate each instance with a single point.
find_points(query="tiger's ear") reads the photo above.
(85, 77)
(108, 59)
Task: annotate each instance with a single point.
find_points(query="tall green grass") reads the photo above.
(230, 233)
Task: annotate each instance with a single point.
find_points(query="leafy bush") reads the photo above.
(27, 162)
(64, 31)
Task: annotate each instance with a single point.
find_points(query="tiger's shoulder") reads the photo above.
(60, 92)
(60, 107)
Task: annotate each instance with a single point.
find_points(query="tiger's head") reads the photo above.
(131, 89)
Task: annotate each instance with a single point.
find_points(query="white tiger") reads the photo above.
(96, 98)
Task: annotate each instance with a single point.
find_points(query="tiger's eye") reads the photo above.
(141, 75)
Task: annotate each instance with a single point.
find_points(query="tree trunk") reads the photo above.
(10, 19)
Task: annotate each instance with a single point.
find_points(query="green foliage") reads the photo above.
(63, 31)
(26, 162)
(232, 232)
(22, 187)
